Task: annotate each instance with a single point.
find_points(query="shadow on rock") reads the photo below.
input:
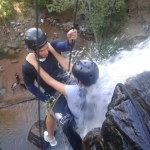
(127, 123)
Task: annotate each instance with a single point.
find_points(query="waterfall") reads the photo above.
(112, 71)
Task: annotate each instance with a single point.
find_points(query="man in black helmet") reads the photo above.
(46, 60)
(49, 63)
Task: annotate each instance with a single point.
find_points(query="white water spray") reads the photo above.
(116, 70)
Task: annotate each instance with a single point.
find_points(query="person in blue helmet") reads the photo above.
(86, 73)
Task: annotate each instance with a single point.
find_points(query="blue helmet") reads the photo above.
(86, 72)
(31, 38)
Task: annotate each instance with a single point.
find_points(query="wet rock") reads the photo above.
(138, 39)
(92, 140)
(129, 114)
(127, 123)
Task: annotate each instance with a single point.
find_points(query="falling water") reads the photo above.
(112, 71)
(16, 121)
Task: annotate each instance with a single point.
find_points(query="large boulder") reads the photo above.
(14, 45)
(127, 123)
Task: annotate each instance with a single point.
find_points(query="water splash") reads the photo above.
(112, 71)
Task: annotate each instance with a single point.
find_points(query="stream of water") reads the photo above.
(16, 121)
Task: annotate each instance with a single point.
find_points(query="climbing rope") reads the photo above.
(38, 76)
(23, 101)
(74, 25)
(51, 105)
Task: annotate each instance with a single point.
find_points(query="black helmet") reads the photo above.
(86, 72)
(31, 38)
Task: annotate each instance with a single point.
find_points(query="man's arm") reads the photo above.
(60, 87)
(62, 61)
(28, 78)
(68, 44)
(35, 91)
(62, 46)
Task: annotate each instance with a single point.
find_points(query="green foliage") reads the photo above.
(1, 50)
(59, 5)
(97, 12)
(6, 10)
(43, 3)
(25, 5)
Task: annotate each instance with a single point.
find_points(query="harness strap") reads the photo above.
(51, 101)
(75, 14)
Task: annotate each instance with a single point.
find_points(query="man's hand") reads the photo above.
(72, 35)
(50, 49)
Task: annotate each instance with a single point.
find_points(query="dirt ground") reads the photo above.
(7, 78)
(134, 27)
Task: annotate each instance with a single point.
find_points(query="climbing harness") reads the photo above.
(51, 101)
(72, 40)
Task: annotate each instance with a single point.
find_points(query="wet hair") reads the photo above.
(31, 38)
(86, 72)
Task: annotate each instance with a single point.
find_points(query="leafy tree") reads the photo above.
(43, 3)
(97, 13)
(6, 9)
(60, 5)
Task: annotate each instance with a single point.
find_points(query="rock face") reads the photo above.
(127, 123)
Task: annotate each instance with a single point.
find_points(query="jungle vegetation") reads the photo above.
(97, 13)
(101, 16)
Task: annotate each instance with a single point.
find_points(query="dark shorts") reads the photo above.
(61, 110)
